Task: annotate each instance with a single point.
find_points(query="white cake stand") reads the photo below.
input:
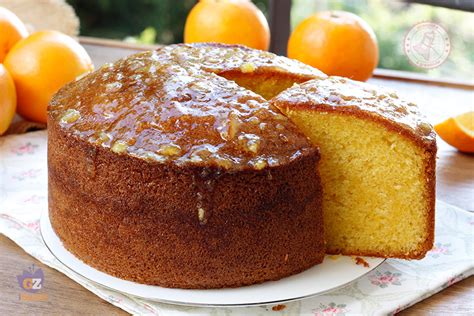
(322, 278)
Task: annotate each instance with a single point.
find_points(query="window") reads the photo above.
(162, 21)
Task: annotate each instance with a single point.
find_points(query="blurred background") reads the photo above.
(162, 21)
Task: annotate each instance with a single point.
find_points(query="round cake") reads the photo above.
(170, 168)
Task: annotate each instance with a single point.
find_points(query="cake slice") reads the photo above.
(377, 167)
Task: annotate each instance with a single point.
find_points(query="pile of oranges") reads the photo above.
(33, 67)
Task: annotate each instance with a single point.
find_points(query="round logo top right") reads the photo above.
(427, 45)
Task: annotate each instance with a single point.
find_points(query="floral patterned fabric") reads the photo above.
(393, 286)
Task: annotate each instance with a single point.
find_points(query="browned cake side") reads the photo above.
(137, 220)
(164, 173)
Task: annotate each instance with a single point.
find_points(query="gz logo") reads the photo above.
(31, 281)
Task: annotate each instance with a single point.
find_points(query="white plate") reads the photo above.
(327, 276)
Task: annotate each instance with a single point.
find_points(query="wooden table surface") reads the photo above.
(455, 185)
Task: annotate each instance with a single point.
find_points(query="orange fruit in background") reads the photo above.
(229, 22)
(11, 31)
(7, 99)
(41, 64)
(458, 131)
(337, 43)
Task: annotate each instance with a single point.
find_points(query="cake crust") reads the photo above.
(172, 105)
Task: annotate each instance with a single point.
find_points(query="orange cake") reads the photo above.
(163, 172)
(177, 168)
(377, 166)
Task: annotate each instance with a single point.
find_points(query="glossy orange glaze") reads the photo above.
(343, 94)
(171, 105)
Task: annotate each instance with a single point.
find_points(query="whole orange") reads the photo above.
(7, 99)
(41, 64)
(11, 31)
(229, 22)
(336, 42)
